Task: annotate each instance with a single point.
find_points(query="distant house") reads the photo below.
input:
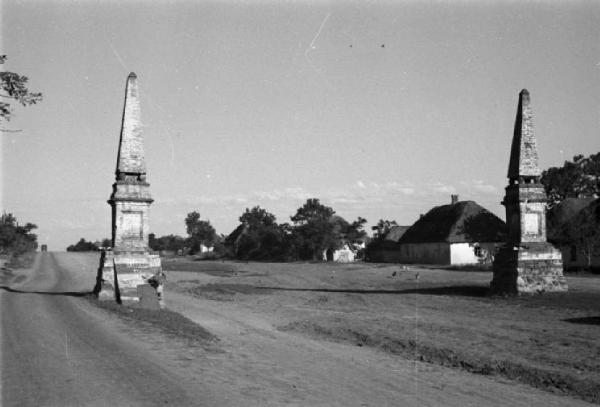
(345, 254)
(346, 251)
(462, 232)
(574, 227)
(387, 249)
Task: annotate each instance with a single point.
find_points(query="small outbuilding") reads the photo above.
(386, 249)
(462, 232)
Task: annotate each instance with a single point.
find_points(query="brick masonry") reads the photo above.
(527, 263)
(129, 264)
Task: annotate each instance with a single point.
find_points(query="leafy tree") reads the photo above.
(14, 239)
(14, 86)
(82, 246)
(199, 232)
(259, 237)
(313, 232)
(168, 242)
(257, 216)
(312, 211)
(575, 179)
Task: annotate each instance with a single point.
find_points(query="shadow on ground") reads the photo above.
(63, 293)
(459, 290)
(584, 320)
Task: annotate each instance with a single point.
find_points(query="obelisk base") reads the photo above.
(123, 272)
(528, 268)
(105, 279)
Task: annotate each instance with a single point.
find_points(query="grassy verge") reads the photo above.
(22, 261)
(6, 275)
(169, 322)
(550, 380)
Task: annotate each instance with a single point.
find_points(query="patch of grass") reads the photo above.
(224, 292)
(546, 379)
(217, 269)
(22, 261)
(6, 275)
(168, 321)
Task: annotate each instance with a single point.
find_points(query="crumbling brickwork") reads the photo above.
(527, 263)
(129, 263)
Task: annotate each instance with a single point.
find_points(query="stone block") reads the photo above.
(148, 297)
(528, 270)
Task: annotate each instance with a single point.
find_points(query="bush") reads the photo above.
(16, 240)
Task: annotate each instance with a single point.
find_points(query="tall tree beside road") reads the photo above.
(200, 232)
(14, 87)
(15, 239)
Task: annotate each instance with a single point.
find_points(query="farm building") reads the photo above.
(386, 249)
(462, 232)
(574, 227)
(348, 253)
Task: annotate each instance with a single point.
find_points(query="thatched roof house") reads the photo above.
(461, 222)
(462, 232)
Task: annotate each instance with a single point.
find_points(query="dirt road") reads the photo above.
(59, 350)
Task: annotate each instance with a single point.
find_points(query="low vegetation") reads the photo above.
(17, 242)
(169, 322)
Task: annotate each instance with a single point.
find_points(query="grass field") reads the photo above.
(439, 316)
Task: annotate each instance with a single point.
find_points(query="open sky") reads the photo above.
(380, 109)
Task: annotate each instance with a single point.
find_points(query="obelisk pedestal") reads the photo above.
(527, 263)
(130, 263)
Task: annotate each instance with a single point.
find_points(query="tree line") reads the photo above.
(314, 229)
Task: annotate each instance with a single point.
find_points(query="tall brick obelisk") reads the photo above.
(129, 263)
(527, 263)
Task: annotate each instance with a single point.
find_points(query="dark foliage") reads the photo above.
(200, 232)
(259, 237)
(83, 246)
(16, 240)
(382, 228)
(316, 228)
(14, 86)
(169, 242)
(575, 179)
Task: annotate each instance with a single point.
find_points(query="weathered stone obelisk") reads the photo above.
(527, 263)
(129, 264)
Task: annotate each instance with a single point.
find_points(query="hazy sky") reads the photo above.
(380, 109)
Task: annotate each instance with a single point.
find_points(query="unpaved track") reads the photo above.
(58, 351)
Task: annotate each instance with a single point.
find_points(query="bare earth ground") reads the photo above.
(443, 317)
(294, 335)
